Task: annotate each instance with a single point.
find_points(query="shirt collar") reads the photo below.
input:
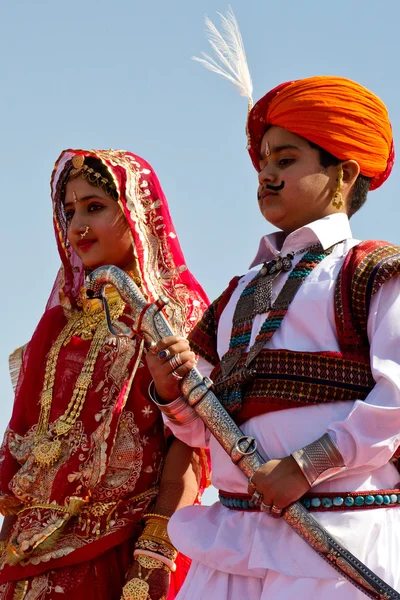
(327, 231)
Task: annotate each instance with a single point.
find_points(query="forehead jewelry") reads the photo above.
(267, 149)
(85, 232)
(75, 197)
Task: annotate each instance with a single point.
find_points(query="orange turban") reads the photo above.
(335, 113)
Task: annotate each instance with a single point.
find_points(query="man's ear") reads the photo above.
(351, 170)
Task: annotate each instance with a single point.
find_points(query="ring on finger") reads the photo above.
(256, 498)
(175, 361)
(153, 348)
(276, 512)
(164, 354)
(265, 508)
(176, 375)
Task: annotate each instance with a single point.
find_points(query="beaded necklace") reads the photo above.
(255, 299)
(88, 323)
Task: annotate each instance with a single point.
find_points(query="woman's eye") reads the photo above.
(95, 206)
(68, 215)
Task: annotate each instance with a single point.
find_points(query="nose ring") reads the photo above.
(85, 232)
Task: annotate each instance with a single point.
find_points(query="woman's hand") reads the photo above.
(157, 579)
(168, 363)
(280, 483)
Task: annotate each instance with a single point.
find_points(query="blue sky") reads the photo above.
(97, 74)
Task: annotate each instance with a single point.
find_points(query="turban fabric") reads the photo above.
(335, 113)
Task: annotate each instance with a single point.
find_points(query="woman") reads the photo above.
(82, 457)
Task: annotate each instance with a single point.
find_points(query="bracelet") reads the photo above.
(157, 546)
(148, 515)
(167, 561)
(156, 529)
(178, 411)
(155, 538)
(320, 460)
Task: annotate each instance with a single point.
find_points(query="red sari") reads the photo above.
(78, 519)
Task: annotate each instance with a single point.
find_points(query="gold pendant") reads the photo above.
(62, 427)
(47, 453)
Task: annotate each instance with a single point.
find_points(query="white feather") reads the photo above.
(230, 57)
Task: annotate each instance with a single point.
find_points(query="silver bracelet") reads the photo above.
(320, 460)
(178, 411)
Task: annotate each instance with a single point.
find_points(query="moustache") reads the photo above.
(275, 188)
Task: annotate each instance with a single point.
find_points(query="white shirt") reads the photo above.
(366, 432)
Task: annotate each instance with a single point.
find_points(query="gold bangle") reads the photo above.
(156, 529)
(152, 515)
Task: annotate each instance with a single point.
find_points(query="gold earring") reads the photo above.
(337, 200)
(85, 232)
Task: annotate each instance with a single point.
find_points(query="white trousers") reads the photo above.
(204, 583)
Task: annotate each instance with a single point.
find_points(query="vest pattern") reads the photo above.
(288, 379)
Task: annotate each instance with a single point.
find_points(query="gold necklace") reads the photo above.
(88, 323)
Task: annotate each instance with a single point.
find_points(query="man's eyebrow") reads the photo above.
(276, 149)
(84, 199)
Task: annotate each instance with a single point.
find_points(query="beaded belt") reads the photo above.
(331, 501)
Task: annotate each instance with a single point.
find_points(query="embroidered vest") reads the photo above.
(288, 379)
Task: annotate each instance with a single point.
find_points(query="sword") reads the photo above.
(152, 325)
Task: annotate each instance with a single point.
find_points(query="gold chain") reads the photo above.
(88, 323)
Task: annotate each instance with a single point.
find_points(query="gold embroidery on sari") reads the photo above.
(33, 482)
(125, 463)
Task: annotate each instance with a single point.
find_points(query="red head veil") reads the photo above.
(156, 247)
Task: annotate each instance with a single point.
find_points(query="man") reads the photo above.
(316, 330)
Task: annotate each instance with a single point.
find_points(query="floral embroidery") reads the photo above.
(147, 411)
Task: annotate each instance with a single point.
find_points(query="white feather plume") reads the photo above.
(230, 60)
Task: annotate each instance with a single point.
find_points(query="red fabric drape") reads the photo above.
(112, 457)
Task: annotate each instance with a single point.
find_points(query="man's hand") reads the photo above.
(280, 483)
(167, 376)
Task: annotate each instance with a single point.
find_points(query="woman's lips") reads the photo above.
(85, 245)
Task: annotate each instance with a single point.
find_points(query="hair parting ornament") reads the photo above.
(92, 176)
